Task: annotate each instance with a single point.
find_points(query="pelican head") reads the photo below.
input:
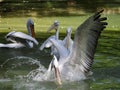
(30, 27)
(55, 26)
(69, 31)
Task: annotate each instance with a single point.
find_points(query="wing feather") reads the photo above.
(85, 41)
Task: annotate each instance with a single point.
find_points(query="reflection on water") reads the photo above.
(18, 67)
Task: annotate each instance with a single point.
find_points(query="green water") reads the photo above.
(15, 64)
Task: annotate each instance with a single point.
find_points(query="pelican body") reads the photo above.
(75, 65)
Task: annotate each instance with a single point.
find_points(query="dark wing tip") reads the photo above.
(101, 11)
(97, 14)
(100, 20)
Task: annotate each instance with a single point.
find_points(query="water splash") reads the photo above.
(41, 74)
(19, 61)
(38, 73)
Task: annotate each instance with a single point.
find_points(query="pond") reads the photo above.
(18, 67)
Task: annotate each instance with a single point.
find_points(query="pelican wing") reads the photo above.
(11, 45)
(21, 37)
(85, 41)
(57, 47)
(63, 52)
(46, 43)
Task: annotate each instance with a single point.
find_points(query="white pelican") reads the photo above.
(77, 64)
(67, 41)
(20, 39)
(54, 51)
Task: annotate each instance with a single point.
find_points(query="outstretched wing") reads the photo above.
(85, 41)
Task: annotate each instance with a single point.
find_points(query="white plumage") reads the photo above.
(20, 39)
(76, 64)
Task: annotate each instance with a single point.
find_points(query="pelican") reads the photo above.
(55, 26)
(67, 41)
(76, 65)
(20, 39)
(54, 51)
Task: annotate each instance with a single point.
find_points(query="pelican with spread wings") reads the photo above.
(76, 64)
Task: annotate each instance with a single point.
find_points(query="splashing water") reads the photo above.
(41, 74)
(19, 61)
(38, 74)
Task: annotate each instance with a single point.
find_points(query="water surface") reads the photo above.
(16, 66)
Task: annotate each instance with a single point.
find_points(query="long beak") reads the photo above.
(51, 28)
(57, 75)
(32, 30)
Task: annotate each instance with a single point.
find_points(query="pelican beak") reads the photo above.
(56, 69)
(55, 26)
(32, 30)
(57, 76)
(51, 28)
